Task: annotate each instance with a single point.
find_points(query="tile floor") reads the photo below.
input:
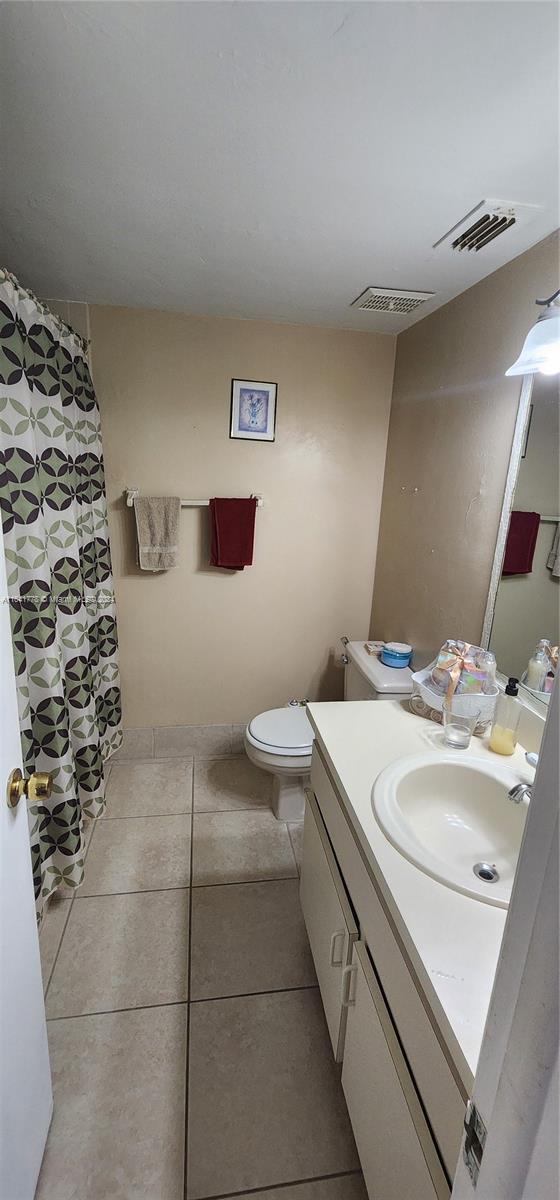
(189, 1051)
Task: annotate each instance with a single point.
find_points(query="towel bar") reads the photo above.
(130, 495)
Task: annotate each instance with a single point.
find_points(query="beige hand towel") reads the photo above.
(157, 529)
(553, 560)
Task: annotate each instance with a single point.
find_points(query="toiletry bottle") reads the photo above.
(503, 738)
(538, 665)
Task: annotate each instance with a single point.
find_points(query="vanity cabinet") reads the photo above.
(395, 1145)
(405, 1098)
(330, 923)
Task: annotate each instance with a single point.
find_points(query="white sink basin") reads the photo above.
(449, 815)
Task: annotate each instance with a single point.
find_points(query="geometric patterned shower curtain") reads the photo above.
(60, 588)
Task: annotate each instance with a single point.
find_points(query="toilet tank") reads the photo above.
(367, 678)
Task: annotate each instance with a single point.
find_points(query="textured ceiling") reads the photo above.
(270, 159)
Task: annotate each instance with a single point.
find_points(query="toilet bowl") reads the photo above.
(280, 741)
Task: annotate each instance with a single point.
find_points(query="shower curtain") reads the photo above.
(60, 590)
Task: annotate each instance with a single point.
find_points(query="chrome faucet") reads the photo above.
(523, 791)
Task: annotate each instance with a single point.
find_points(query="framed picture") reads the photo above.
(253, 410)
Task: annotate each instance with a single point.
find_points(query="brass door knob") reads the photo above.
(37, 787)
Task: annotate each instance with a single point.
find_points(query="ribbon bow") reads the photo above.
(454, 662)
(552, 652)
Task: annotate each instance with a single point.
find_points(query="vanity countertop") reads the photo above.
(453, 941)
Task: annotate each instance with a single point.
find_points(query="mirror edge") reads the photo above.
(499, 551)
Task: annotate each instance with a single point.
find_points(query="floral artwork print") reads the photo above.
(60, 588)
(253, 410)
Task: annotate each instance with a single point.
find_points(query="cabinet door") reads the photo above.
(394, 1141)
(330, 924)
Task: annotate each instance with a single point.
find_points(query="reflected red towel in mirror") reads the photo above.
(521, 541)
(233, 532)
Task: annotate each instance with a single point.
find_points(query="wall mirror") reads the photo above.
(524, 598)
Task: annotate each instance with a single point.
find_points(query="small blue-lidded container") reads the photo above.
(396, 654)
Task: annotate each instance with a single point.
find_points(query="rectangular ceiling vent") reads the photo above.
(378, 299)
(486, 222)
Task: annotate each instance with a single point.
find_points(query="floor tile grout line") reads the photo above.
(92, 835)
(188, 1013)
(186, 759)
(136, 760)
(180, 887)
(292, 845)
(141, 892)
(163, 758)
(71, 899)
(183, 755)
(280, 1187)
(248, 882)
(185, 812)
(298, 987)
(256, 808)
(237, 882)
(58, 949)
(109, 1012)
(147, 816)
(106, 1012)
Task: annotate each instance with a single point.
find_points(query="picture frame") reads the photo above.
(253, 410)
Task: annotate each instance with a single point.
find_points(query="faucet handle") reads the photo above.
(532, 759)
(520, 792)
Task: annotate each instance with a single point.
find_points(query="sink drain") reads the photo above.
(486, 871)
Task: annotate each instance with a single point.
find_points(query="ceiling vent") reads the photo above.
(486, 222)
(377, 299)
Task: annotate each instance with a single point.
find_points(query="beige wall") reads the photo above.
(450, 435)
(203, 646)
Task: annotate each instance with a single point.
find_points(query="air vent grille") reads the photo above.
(377, 299)
(488, 227)
(485, 222)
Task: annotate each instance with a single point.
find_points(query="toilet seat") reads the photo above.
(285, 732)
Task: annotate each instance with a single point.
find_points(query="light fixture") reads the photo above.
(541, 348)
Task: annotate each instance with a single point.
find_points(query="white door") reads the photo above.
(25, 1078)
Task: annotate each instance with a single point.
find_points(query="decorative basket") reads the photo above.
(426, 701)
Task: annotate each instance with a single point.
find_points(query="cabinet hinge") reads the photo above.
(474, 1141)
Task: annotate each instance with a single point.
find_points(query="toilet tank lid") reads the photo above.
(285, 728)
(384, 679)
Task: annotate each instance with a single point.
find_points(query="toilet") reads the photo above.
(281, 740)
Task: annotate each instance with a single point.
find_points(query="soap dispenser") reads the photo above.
(538, 666)
(503, 738)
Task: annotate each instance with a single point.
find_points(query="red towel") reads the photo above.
(521, 541)
(233, 532)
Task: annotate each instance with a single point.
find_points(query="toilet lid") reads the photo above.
(284, 728)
